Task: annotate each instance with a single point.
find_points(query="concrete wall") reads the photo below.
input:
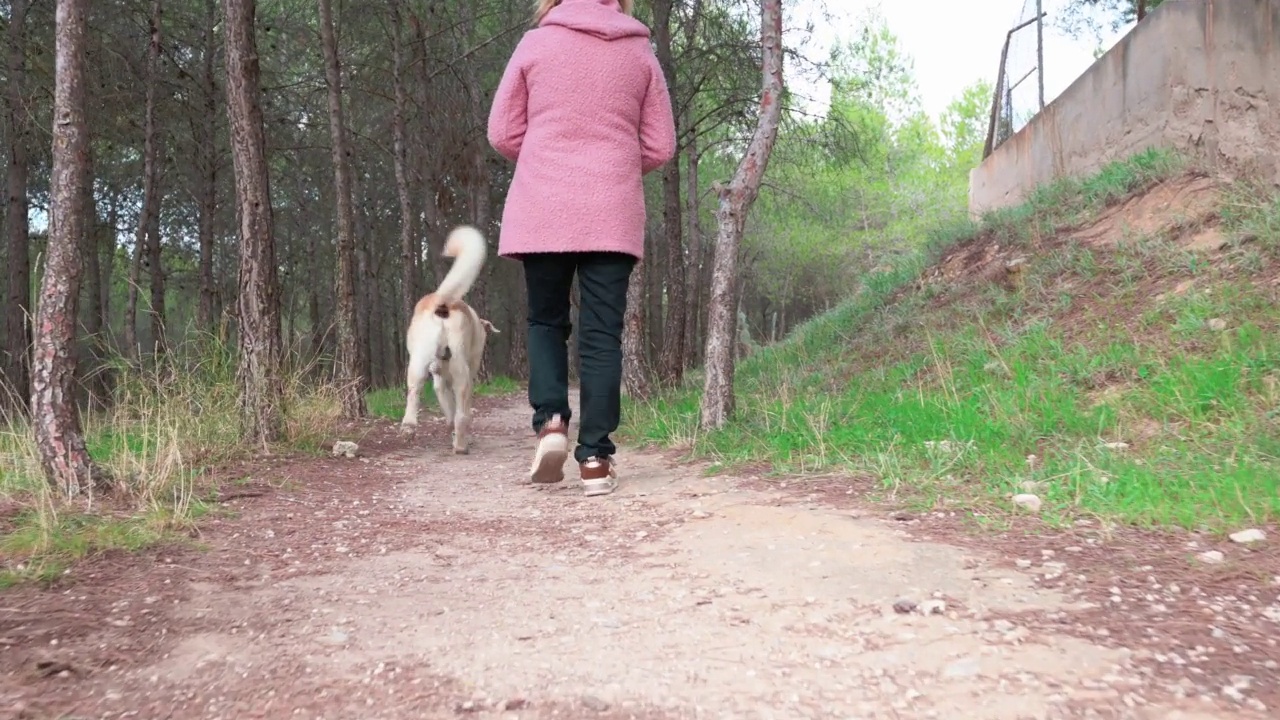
(1202, 76)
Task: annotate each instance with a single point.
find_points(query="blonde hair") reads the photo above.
(543, 7)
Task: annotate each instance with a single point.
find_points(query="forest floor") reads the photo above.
(412, 583)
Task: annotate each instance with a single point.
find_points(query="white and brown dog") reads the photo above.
(446, 338)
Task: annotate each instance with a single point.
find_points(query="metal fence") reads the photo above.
(1019, 88)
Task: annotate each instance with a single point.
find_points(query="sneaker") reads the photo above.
(599, 476)
(551, 452)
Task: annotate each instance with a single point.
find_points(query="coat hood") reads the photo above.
(600, 18)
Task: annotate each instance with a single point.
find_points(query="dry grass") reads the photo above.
(164, 426)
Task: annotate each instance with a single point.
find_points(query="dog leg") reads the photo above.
(444, 394)
(416, 377)
(461, 376)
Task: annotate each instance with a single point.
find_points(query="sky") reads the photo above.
(954, 45)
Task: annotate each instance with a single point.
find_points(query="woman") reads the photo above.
(583, 111)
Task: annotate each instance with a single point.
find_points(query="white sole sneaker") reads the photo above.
(549, 456)
(597, 486)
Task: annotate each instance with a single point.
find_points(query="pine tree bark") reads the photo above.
(479, 188)
(94, 318)
(365, 283)
(409, 248)
(693, 262)
(107, 264)
(671, 365)
(426, 164)
(349, 372)
(258, 304)
(153, 151)
(17, 352)
(636, 380)
(207, 166)
(59, 440)
(735, 201)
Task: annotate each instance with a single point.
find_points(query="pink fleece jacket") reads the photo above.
(583, 111)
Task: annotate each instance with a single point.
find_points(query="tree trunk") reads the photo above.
(652, 297)
(152, 151)
(518, 328)
(59, 439)
(131, 349)
(694, 260)
(673, 333)
(366, 278)
(316, 267)
(94, 327)
(146, 235)
(349, 372)
(258, 303)
(635, 366)
(479, 189)
(17, 361)
(207, 165)
(734, 203)
(409, 248)
(106, 251)
(426, 164)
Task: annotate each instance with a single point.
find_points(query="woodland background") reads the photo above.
(848, 187)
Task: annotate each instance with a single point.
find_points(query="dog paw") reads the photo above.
(408, 428)
(462, 451)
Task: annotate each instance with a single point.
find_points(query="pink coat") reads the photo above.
(583, 111)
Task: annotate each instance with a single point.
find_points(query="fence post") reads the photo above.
(1040, 43)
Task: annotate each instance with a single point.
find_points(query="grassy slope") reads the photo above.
(1035, 383)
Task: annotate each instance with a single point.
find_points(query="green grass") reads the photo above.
(388, 403)
(46, 550)
(1032, 389)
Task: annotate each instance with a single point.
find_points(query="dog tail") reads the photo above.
(466, 245)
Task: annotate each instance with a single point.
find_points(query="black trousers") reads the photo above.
(603, 278)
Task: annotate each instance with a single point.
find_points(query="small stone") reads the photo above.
(1116, 445)
(904, 606)
(345, 448)
(1028, 502)
(1245, 537)
(699, 514)
(517, 703)
(593, 703)
(933, 607)
(1211, 557)
(1217, 324)
(1023, 564)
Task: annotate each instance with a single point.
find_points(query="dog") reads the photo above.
(446, 338)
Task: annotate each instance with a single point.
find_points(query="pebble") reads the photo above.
(1027, 501)
(345, 448)
(933, 607)
(1211, 557)
(904, 606)
(1245, 537)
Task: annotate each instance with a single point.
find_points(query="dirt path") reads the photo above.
(415, 584)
